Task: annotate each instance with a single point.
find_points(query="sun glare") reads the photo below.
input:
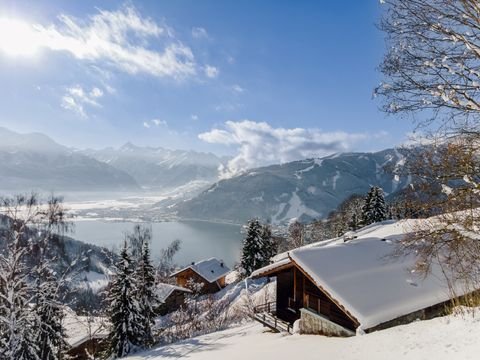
(18, 38)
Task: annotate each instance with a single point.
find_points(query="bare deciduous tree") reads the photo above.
(446, 189)
(432, 69)
(166, 265)
(29, 286)
(432, 63)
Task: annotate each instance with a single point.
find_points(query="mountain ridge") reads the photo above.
(304, 189)
(34, 161)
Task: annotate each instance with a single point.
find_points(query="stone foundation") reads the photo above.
(312, 323)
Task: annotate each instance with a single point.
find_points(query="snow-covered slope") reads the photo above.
(301, 189)
(34, 161)
(447, 338)
(156, 167)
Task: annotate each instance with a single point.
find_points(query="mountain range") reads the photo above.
(159, 168)
(36, 162)
(305, 189)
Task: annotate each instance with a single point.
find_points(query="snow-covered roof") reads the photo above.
(82, 328)
(274, 266)
(363, 277)
(163, 291)
(211, 269)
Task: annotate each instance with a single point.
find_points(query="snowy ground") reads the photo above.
(451, 337)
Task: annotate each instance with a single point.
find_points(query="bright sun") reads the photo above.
(18, 38)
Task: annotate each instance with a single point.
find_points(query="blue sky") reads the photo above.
(266, 81)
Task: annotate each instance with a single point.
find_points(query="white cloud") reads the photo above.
(194, 117)
(159, 122)
(118, 38)
(238, 89)
(96, 93)
(199, 32)
(211, 71)
(76, 98)
(154, 122)
(259, 143)
(69, 103)
(227, 107)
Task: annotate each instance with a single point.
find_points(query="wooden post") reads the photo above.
(294, 284)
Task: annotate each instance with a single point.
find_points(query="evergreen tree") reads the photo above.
(124, 312)
(374, 209)
(48, 312)
(269, 245)
(258, 247)
(145, 277)
(354, 222)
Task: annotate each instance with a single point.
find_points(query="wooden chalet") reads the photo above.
(171, 298)
(85, 335)
(343, 286)
(297, 293)
(210, 273)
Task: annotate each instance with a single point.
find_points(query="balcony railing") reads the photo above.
(269, 307)
(317, 305)
(266, 315)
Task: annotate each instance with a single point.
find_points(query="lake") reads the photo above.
(200, 239)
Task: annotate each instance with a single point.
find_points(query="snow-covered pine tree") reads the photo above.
(48, 312)
(269, 245)
(380, 210)
(374, 209)
(367, 208)
(255, 247)
(124, 312)
(146, 297)
(354, 223)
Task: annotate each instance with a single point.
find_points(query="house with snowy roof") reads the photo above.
(170, 298)
(85, 335)
(210, 273)
(346, 285)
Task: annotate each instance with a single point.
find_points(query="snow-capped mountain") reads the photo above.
(303, 189)
(156, 167)
(34, 161)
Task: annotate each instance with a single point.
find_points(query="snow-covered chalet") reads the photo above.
(352, 284)
(210, 273)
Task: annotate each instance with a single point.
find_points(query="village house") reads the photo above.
(209, 273)
(86, 335)
(170, 297)
(348, 285)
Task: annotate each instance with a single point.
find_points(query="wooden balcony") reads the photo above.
(316, 304)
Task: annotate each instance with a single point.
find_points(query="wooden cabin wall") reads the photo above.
(299, 288)
(208, 288)
(221, 282)
(93, 346)
(317, 299)
(172, 303)
(284, 288)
